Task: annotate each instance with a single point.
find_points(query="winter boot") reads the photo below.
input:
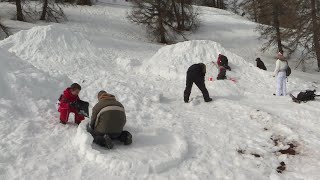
(99, 140)
(208, 100)
(186, 99)
(126, 138)
(108, 142)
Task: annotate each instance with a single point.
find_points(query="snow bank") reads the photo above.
(52, 48)
(172, 61)
(27, 97)
(24, 84)
(164, 151)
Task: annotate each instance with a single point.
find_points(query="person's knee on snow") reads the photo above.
(108, 119)
(196, 74)
(66, 101)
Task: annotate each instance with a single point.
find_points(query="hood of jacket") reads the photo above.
(106, 96)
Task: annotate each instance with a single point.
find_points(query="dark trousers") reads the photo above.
(200, 84)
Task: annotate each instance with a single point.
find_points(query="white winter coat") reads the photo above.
(281, 65)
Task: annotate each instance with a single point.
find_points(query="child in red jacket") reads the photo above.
(67, 100)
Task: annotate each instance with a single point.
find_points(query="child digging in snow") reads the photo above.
(67, 104)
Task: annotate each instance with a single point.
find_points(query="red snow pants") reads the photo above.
(64, 115)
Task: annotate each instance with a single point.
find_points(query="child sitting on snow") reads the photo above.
(67, 104)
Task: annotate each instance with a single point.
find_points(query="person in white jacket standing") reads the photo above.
(280, 72)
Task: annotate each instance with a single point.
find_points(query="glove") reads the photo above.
(89, 128)
(73, 104)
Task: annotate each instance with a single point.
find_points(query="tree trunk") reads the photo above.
(214, 3)
(276, 24)
(19, 11)
(85, 2)
(161, 30)
(255, 11)
(44, 10)
(315, 31)
(220, 4)
(177, 14)
(4, 29)
(183, 14)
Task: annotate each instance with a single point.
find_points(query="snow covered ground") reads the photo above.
(240, 135)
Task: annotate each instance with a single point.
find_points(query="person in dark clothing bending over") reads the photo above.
(260, 64)
(196, 74)
(107, 121)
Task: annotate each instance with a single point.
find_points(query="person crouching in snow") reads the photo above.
(196, 74)
(67, 102)
(280, 72)
(107, 121)
(223, 61)
(222, 73)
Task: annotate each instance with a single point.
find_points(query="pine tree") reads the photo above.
(304, 31)
(164, 18)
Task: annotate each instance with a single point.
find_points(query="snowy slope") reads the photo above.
(100, 49)
(28, 128)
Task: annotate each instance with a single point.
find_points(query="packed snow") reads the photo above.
(240, 135)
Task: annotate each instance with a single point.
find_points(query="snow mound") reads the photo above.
(52, 48)
(172, 61)
(24, 84)
(127, 63)
(164, 151)
(27, 97)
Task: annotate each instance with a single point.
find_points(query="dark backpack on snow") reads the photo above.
(307, 96)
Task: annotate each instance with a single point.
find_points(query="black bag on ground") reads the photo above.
(308, 95)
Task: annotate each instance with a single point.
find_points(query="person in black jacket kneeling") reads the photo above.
(196, 74)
